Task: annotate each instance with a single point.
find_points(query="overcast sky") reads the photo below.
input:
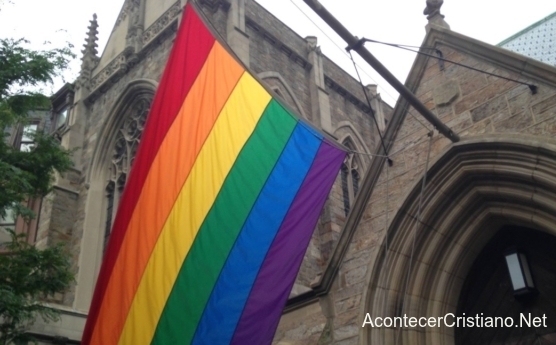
(394, 21)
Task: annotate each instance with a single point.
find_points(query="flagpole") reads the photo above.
(357, 45)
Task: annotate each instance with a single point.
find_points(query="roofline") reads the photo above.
(67, 87)
(520, 64)
(530, 27)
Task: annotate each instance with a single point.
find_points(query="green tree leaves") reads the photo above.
(22, 69)
(28, 276)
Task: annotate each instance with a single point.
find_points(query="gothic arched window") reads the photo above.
(350, 177)
(123, 154)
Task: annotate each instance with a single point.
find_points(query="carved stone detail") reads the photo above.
(162, 22)
(433, 8)
(118, 65)
(156, 33)
(127, 9)
(123, 154)
(312, 44)
(347, 95)
(432, 11)
(127, 141)
(90, 59)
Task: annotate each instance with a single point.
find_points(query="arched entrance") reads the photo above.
(475, 190)
(488, 292)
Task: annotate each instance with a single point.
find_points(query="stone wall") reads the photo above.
(278, 49)
(56, 220)
(476, 107)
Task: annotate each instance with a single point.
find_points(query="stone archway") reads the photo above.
(474, 189)
(278, 84)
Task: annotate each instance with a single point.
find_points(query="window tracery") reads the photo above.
(350, 178)
(125, 146)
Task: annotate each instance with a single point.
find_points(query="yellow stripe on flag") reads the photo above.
(168, 172)
(232, 129)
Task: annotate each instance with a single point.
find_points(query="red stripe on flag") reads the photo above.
(179, 75)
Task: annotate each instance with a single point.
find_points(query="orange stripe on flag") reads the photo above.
(231, 131)
(167, 175)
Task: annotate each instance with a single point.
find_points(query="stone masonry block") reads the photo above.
(482, 127)
(461, 122)
(471, 83)
(356, 275)
(445, 93)
(347, 318)
(349, 341)
(489, 108)
(346, 332)
(546, 115)
(349, 291)
(546, 105)
(408, 141)
(416, 155)
(481, 96)
(444, 111)
(356, 259)
(520, 103)
(348, 304)
(515, 123)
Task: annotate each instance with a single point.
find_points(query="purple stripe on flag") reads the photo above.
(274, 282)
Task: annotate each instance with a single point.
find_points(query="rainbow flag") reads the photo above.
(219, 208)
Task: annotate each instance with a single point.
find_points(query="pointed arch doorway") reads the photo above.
(475, 190)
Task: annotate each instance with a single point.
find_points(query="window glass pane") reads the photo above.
(9, 218)
(26, 147)
(28, 132)
(345, 192)
(27, 142)
(4, 238)
(7, 222)
(61, 118)
(515, 271)
(355, 177)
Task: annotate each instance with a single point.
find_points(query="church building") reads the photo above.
(454, 227)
